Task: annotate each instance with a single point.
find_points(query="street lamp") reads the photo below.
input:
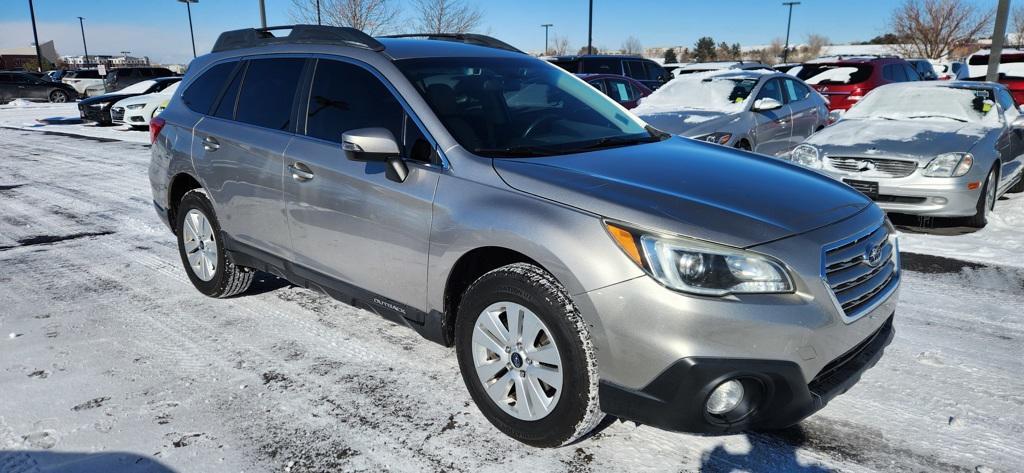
(188, 5)
(81, 25)
(546, 26)
(785, 52)
(39, 54)
(590, 30)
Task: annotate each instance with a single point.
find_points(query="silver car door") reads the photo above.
(773, 128)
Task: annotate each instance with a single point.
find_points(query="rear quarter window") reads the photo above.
(200, 95)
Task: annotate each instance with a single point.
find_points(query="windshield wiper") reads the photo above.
(939, 116)
(616, 141)
(518, 152)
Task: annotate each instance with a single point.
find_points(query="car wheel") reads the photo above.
(201, 247)
(58, 96)
(526, 357)
(986, 201)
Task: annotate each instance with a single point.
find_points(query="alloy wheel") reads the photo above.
(990, 192)
(58, 97)
(517, 361)
(200, 245)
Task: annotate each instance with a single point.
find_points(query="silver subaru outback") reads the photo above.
(583, 264)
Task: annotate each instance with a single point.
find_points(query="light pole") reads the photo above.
(318, 12)
(35, 35)
(81, 24)
(263, 14)
(998, 37)
(590, 30)
(785, 52)
(188, 6)
(546, 26)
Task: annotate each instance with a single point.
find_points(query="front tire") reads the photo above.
(986, 201)
(201, 247)
(58, 96)
(526, 357)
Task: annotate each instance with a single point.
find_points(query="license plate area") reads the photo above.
(867, 188)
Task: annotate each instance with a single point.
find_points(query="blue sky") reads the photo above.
(159, 28)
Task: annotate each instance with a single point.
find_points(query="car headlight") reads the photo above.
(949, 165)
(718, 138)
(135, 106)
(806, 155)
(699, 267)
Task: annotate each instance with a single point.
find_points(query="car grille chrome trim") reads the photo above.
(881, 167)
(117, 113)
(855, 285)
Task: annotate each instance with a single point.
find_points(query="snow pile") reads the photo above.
(20, 103)
(903, 102)
(699, 91)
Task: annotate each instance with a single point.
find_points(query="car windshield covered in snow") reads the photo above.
(711, 91)
(499, 107)
(900, 102)
(834, 74)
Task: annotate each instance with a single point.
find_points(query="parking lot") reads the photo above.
(113, 364)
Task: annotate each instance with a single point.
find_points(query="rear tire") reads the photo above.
(986, 200)
(489, 316)
(201, 246)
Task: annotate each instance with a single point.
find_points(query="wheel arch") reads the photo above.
(180, 184)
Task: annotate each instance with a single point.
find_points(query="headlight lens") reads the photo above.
(719, 138)
(702, 268)
(135, 106)
(949, 165)
(806, 155)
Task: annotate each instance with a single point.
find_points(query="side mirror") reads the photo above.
(375, 145)
(766, 104)
(835, 116)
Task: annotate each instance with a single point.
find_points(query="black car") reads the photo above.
(21, 85)
(97, 109)
(122, 77)
(646, 71)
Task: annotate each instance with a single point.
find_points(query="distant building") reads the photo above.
(93, 60)
(16, 58)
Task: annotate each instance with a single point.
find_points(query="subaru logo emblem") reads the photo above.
(873, 256)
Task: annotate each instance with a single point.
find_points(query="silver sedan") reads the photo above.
(941, 149)
(762, 111)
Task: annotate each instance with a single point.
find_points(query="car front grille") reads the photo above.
(882, 167)
(863, 271)
(117, 113)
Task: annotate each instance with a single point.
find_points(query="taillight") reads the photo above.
(155, 125)
(856, 95)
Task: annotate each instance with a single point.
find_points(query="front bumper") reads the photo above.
(778, 394)
(921, 195)
(100, 114)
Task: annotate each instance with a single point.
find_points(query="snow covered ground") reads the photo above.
(111, 361)
(23, 114)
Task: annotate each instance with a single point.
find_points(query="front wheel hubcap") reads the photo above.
(200, 245)
(990, 193)
(517, 361)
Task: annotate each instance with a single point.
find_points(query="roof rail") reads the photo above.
(467, 38)
(300, 34)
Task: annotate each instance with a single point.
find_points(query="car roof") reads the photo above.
(409, 48)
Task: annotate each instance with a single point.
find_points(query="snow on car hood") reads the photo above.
(918, 139)
(689, 188)
(692, 123)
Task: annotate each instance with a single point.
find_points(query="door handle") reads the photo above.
(211, 144)
(300, 172)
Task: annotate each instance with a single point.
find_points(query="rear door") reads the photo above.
(348, 220)
(773, 128)
(239, 151)
(8, 88)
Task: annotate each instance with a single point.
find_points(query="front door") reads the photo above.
(773, 128)
(348, 220)
(803, 112)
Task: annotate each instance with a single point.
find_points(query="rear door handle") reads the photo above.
(300, 172)
(211, 144)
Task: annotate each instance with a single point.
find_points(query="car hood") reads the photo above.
(692, 123)
(143, 99)
(106, 98)
(689, 188)
(917, 139)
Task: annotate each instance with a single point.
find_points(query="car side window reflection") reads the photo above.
(771, 90)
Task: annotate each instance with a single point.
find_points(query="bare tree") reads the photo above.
(446, 16)
(815, 45)
(371, 16)
(1018, 25)
(559, 46)
(935, 28)
(632, 46)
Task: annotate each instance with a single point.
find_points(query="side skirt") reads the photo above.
(427, 324)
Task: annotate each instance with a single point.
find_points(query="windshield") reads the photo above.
(707, 91)
(520, 107)
(901, 102)
(138, 88)
(834, 74)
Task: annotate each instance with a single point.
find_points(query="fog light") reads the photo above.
(725, 397)
(939, 200)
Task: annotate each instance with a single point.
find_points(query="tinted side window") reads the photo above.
(268, 92)
(602, 66)
(771, 89)
(913, 75)
(654, 71)
(229, 99)
(347, 97)
(200, 95)
(87, 74)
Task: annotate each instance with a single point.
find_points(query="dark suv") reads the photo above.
(646, 71)
(845, 80)
(120, 78)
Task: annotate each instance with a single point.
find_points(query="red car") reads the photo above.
(1011, 70)
(621, 89)
(845, 80)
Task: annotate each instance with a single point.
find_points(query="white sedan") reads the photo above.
(137, 111)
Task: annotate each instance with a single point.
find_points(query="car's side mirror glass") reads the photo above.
(765, 104)
(375, 145)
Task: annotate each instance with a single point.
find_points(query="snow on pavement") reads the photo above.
(109, 357)
(23, 114)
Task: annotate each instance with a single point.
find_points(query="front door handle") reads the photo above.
(300, 172)
(211, 144)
